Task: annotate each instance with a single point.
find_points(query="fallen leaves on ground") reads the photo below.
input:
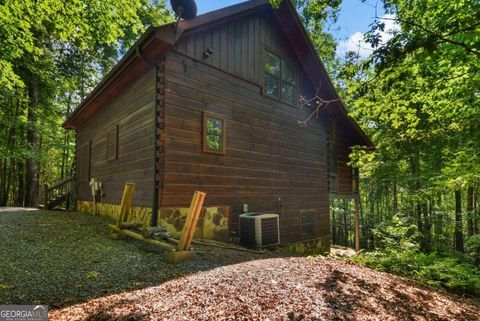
(279, 289)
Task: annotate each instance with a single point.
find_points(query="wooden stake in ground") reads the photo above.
(191, 221)
(126, 202)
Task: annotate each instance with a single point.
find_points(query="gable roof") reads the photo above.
(164, 37)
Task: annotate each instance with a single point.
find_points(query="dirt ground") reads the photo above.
(292, 288)
(62, 259)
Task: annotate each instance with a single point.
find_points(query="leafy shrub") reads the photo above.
(452, 273)
(398, 253)
(396, 234)
(473, 247)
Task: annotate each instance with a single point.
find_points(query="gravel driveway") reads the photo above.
(62, 258)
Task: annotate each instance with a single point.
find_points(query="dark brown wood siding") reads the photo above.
(344, 170)
(272, 164)
(131, 110)
(238, 45)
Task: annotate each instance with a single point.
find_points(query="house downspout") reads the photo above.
(156, 138)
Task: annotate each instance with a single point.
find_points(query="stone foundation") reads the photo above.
(316, 246)
(212, 224)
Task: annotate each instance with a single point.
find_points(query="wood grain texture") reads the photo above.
(272, 163)
(131, 113)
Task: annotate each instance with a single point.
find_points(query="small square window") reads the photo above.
(214, 136)
(308, 223)
(112, 143)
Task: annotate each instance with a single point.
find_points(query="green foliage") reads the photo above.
(394, 234)
(473, 247)
(318, 18)
(454, 273)
(397, 251)
(56, 51)
(417, 97)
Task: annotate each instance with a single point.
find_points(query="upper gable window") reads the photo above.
(279, 79)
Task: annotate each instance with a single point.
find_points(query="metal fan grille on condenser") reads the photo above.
(185, 9)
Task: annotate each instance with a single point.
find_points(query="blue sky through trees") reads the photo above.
(354, 19)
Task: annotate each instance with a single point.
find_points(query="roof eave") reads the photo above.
(287, 5)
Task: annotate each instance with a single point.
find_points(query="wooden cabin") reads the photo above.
(213, 104)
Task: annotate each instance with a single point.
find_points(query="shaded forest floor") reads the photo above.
(60, 259)
(291, 288)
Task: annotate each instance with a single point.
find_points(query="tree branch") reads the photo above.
(319, 102)
(437, 35)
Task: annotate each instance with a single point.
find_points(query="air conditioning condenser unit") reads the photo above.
(259, 229)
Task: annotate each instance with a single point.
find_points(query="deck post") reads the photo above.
(357, 224)
(356, 199)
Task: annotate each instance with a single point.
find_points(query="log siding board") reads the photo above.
(269, 155)
(243, 36)
(344, 171)
(131, 112)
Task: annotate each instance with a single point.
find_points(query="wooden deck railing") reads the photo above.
(59, 191)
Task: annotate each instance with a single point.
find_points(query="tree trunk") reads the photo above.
(470, 213)
(438, 223)
(345, 223)
(458, 221)
(8, 168)
(32, 164)
(476, 226)
(415, 167)
(63, 170)
(395, 198)
(372, 220)
(20, 201)
(333, 222)
(427, 240)
(3, 180)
